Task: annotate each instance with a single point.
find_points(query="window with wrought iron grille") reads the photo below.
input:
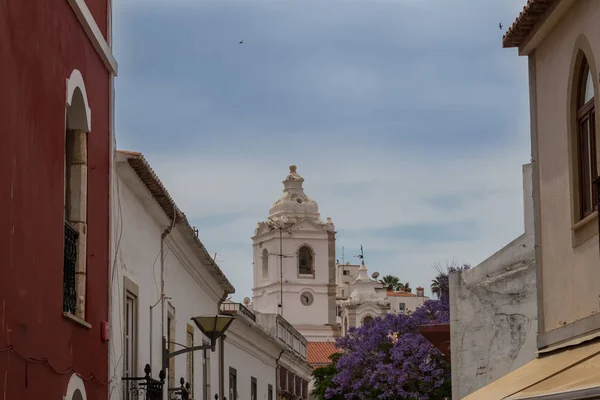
(75, 215)
(78, 124)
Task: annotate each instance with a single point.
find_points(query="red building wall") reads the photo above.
(41, 43)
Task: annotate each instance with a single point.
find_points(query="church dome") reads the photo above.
(294, 203)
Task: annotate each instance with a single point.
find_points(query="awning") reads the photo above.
(572, 369)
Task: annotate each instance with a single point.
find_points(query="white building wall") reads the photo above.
(252, 355)
(139, 226)
(411, 303)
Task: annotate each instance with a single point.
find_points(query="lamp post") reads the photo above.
(211, 326)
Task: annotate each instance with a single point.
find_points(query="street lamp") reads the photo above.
(211, 326)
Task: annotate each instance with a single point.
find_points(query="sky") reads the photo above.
(407, 119)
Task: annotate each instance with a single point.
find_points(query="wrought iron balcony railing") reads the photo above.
(144, 388)
(238, 307)
(70, 264)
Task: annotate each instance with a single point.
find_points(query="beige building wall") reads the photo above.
(569, 254)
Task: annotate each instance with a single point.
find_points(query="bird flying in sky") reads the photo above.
(500, 25)
(241, 42)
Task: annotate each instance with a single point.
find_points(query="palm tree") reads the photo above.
(390, 282)
(440, 286)
(404, 287)
(435, 288)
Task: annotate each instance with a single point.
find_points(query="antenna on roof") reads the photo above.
(343, 255)
(361, 256)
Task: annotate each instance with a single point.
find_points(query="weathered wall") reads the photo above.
(493, 311)
(41, 43)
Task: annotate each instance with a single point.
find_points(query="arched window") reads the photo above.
(367, 319)
(75, 389)
(75, 195)
(265, 264)
(305, 261)
(586, 141)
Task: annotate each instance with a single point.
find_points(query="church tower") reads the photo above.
(294, 263)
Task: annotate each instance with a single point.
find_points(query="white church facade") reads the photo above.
(296, 273)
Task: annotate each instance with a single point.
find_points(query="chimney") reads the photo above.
(420, 292)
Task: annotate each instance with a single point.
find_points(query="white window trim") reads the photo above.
(75, 81)
(94, 34)
(75, 384)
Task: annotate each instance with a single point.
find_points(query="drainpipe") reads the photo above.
(162, 288)
(221, 350)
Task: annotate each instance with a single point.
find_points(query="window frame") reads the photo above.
(311, 267)
(585, 114)
(171, 332)
(130, 292)
(264, 264)
(78, 122)
(189, 370)
(253, 388)
(232, 384)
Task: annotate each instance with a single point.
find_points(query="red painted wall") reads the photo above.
(41, 42)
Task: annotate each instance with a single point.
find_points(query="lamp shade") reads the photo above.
(213, 326)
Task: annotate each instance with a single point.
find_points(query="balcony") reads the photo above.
(69, 269)
(228, 308)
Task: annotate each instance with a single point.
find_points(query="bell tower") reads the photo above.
(294, 262)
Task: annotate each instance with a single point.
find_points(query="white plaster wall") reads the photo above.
(142, 222)
(411, 302)
(493, 312)
(252, 355)
(189, 299)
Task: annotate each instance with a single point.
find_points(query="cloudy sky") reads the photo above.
(407, 119)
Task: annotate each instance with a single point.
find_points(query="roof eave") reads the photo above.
(526, 25)
(159, 193)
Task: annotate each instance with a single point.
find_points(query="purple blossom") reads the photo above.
(390, 359)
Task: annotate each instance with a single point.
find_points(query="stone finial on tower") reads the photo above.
(293, 168)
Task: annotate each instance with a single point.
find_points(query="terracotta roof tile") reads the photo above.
(391, 293)
(317, 353)
(532, 13)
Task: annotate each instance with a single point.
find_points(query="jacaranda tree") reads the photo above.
(389, 359)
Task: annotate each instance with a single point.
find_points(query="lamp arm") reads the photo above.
(189, 349)
(179, 344)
